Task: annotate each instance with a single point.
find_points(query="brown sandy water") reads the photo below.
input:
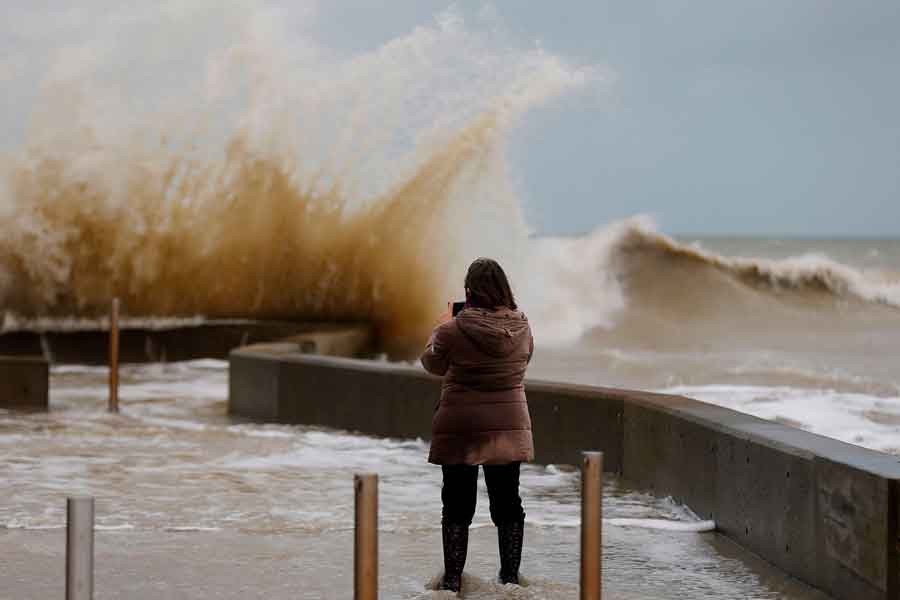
(229, 564)
(191, 504)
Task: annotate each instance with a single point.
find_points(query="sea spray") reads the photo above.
(262, 175)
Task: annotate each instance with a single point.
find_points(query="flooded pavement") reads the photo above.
(193, 504)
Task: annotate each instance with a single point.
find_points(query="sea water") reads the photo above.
(194, 503)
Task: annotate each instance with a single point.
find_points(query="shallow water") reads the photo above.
(173, 475)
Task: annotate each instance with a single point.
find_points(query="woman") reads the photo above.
(482, 417)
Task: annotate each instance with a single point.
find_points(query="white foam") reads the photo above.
(696, 526)
(864, 420)
(664, 524)
(30, 527)
(175, 423)
(257, 431)
(76, 369)
(478, 588)
(120, 527)
(573, 287)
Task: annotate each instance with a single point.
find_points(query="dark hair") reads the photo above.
(487, 285)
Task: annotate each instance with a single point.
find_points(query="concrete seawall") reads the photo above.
(170, 343)
(823, 511)
(24, 382)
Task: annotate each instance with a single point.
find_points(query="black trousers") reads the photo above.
(460, 493)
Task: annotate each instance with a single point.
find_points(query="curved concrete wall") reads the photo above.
(821, 510)
(24, 382)
(210, 339)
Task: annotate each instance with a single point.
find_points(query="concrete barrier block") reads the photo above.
(660, 447)
(766, 501)
(253, 384)
(370, 398)
(349, 340)
(893, 571)
(143, 342)
(24, 382)
(855, 539)
(567, 420)
(413, 404)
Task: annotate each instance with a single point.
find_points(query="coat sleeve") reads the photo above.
(530, 346)
(436, 358)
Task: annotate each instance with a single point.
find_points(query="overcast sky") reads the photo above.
(749, 117)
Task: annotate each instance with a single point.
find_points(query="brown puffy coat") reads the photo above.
(482, 417)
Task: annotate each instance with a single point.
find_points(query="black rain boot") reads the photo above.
(509, 541)
(456, 545)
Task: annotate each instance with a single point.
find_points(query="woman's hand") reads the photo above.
(445, 316)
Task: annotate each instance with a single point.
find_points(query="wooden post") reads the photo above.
(365, 547)
(79, 549)
(114, 357)
(591, 526)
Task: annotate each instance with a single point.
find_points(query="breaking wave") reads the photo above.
(634, 284)
(810, 272)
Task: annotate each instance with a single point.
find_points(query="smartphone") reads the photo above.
(458, 306)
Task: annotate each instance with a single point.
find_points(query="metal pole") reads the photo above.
(114, 357)
(79, 549)
(365, 547)
(591, 526)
